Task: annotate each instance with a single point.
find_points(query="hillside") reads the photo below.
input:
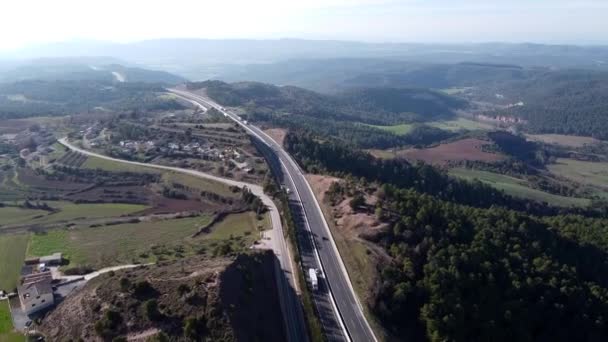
(64, 97)
(562, 101)
(566, 102)
(78, 69)
(334, 75)
(349, 115)
(194, 299)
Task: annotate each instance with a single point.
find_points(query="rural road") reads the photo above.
(290, 303)
(339, 309)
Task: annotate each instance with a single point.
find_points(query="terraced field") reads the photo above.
(72, 159)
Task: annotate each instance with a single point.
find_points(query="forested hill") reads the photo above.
(465, 274)
(334, 75)
(566, 102)
(331, 156)
(84, 69)
(372, 106)
(54, 98)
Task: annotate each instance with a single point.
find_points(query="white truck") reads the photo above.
(314, 281)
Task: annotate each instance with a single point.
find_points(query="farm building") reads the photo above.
(36, 292)
(53, 259)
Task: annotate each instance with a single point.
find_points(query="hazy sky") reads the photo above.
(29, 22)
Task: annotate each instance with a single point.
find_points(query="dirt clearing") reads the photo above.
(277, 134)
(466, 149)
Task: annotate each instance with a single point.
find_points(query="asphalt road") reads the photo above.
(340, 311)
(293, 314)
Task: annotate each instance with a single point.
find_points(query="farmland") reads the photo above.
(72, 159)
(563, 140)
(66, 211)
(112, 166)
(517, 187)
(448, 125)
(200, 183)
(6, 325)
(142, 242)
(590, 173)
(12, 254)
(16, 215)
(461, 150)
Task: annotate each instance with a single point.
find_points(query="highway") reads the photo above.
(293, 314)
(339, 309)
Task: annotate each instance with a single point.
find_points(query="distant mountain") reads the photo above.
(89, 68)
(334, 75)
(205, 58)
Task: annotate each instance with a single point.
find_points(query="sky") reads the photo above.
(29, 22)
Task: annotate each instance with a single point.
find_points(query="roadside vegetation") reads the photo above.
(7, 334)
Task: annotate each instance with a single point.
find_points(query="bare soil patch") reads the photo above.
(277, 134)
(462, 150)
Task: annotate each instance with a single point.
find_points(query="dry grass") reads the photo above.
(563, 140)
(461, 150)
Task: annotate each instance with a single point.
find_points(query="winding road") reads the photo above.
(290, 303)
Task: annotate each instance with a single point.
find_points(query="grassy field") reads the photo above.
(112, 245)
(590, 173)
(6, 325)
(563, 140)
(12, 254)
(128, 243)
(109, 165)
(244, 224)
(13, 215)
(200, 183)
(517, 187)
(68, 211)
(448, 125)
(192, 181)
(459, 124)
(401, 129)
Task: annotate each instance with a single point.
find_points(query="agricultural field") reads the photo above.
(200, 184)
(12, 126)
(454, 125)
(12, 254)
(593, 174)
(461, 150)
(66, 211)
(563, 140)
(16, 215)
(145, 241)
(6, 325)
(517, 187)
(461, 124)
(72, 159)
(112, 166)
